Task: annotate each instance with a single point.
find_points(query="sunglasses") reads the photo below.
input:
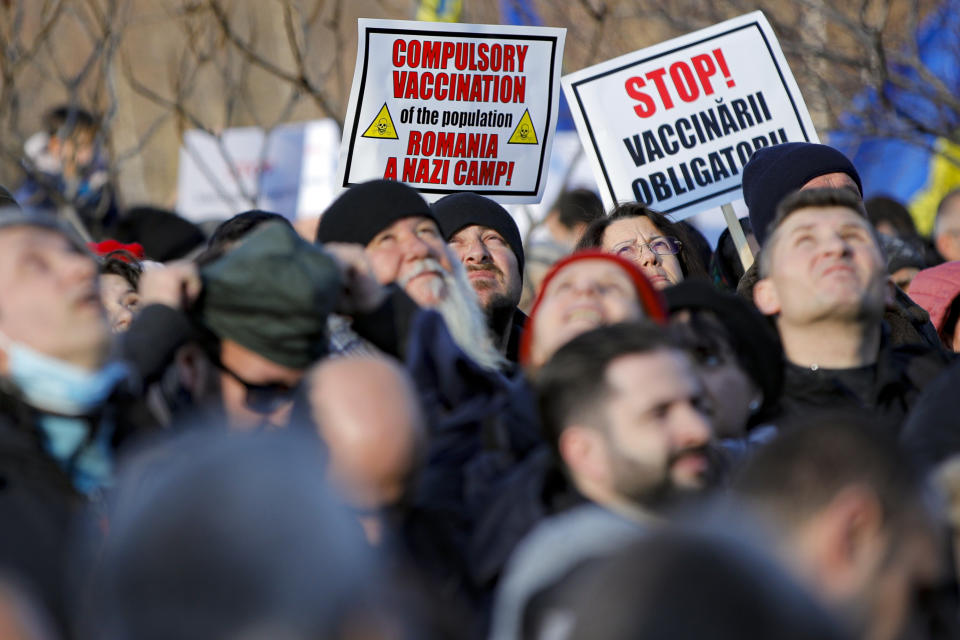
(261, 398)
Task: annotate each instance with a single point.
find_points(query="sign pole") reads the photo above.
(736, 232)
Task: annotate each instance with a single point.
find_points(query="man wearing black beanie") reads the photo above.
(775, 172)
(486, 239)
(402, 244)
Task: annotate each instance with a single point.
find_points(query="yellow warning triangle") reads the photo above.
(524, 133)
(382, 126)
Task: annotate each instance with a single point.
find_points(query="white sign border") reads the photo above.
(366, 26)
(755, 19)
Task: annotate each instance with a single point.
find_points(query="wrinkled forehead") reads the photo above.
(15, 239)
(824, 218)
(472, 230)
(408, 223)
(629, 229)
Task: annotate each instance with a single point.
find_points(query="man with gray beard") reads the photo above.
(401, 244)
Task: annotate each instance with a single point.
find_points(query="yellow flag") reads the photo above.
(439, 10)
(524, 133)
(382, 126)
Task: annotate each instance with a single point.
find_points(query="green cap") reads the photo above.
(272, 294)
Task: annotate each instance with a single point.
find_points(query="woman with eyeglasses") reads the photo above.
(656, 245)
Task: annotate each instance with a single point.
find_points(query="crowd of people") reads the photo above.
(404, 423)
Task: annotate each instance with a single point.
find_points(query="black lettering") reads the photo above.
(699, 166)
(740, 109)
(660, 187)
(709, 119)
(716, 166)
(653, 149)
(677, 188)
(728, 156)
(668, 145)
(685, 140)
(636, 151)
(641, 191)
(726, 119)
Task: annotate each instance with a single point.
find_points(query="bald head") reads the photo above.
(368, 413)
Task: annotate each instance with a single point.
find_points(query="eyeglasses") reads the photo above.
(662, 246)
(261, 398)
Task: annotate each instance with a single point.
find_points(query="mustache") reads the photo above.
(489, 266)
(422, 266)
(702, 450)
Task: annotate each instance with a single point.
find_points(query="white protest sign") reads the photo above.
(290, 170)
(453, 107)
(674, 124)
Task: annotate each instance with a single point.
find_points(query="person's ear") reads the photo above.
(890, 293)
(944, 244)
(193, 370)
(766, 298)
(853, 543)
(582, 452)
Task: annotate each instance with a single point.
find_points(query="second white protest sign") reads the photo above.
(674, 124)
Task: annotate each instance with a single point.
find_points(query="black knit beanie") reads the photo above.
(459, 210)
(774, 172)
(364, 210)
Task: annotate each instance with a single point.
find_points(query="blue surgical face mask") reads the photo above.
(56, 386)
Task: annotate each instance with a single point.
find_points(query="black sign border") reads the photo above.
(574, 87)
(423, 32)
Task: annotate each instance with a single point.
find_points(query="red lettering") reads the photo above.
(437, 171)
(413, 54)
(501, 171)
(458, 177)
(409, 169)
(390, 173)
(413, 143)
(684, 82)
(657, 77)
(399, 46)
(647, 106)
(423, 170)
(448, 49)
(521, 56)
(704, 67)
(399, 82)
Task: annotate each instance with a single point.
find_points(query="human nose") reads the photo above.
(79, 267)
(122, 320)
(693, 429)
(585, 287)
(836, 244)
(476, 252)
(416, 248)
(646, 255)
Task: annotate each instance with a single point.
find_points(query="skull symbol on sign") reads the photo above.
(524, 131)
(382, 126)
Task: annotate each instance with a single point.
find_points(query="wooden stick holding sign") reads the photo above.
(736, 233)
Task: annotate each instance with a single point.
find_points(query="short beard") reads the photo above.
(635, 483)
(461, 312)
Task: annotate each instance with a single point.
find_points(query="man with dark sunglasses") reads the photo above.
(258, 315)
